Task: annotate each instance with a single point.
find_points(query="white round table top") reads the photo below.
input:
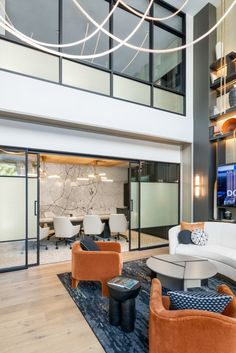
(181, 266)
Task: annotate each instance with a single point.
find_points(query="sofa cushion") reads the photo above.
(88, 244)
(228, 235)
(210, 252)
(191, 226)
(221, 233)
(184, 237)
(200, 300)
(199, 237)
(213, 229)
(230, 309)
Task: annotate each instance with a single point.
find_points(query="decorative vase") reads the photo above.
(228, 215)
(229, 125)
(232, 96)
(219, 50)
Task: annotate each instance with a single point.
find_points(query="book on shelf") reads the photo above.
(123, 282)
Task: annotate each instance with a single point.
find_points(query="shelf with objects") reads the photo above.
(223, 90)
(222, 135)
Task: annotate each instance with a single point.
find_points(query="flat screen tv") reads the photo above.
(226, 185)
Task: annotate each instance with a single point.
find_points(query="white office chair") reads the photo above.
(93, 225)
(49, 214)
(64, 229)
(43, 233)
(118, 225)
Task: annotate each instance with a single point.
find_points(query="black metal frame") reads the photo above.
(139, 205)
(111, 71)
(26, 265)
(38, 152)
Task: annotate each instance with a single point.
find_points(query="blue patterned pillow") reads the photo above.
(201, 300)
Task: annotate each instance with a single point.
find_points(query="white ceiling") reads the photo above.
(193, 6)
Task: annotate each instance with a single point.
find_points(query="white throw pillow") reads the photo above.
(199, 237)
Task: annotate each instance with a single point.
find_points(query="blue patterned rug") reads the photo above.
(94, 307)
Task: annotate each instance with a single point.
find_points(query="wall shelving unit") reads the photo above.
(223, 84)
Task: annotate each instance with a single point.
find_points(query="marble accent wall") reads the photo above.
(66, 195)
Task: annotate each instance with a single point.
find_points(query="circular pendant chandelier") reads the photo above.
(6, 25)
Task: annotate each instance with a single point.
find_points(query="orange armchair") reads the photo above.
(96, 265)
(188, 331)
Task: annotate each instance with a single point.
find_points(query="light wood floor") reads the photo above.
(38, 315)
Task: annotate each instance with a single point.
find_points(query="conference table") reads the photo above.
(48, 222)
(75, 219)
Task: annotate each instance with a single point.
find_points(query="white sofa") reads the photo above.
(220, 248)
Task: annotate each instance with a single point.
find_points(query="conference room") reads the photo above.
(56, 199)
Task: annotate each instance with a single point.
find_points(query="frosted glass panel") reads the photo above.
(12, 208)
(134, 205)
(168, 101)
(15, 57)
(159, 204)
(32, 217)
(131, 90)
(81, 76)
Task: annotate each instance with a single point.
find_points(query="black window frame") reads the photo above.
(110, 70)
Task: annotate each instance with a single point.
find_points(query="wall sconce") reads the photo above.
(197, 186)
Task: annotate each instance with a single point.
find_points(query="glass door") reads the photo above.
(159, 202)
(33, 208)
(154, 203)
(18, 227)
(134, 208)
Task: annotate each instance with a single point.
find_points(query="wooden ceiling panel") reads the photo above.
(64, 159)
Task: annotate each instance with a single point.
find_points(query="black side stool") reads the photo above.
(122, 306)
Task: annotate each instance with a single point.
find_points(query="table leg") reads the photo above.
(128, 315)
(153, 274)
(114, 312)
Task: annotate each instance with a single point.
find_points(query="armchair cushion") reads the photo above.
(202, 300)
(230, 309)
(89, 245)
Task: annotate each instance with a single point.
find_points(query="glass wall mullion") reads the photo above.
(26, 209)
(110, 46)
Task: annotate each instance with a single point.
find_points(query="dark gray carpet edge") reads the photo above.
(94, 307)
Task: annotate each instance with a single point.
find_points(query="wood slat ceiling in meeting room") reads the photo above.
(64, 159)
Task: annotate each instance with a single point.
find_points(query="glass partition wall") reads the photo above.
(18, 209)
(151, 199)
(156, 80)
(154, 203)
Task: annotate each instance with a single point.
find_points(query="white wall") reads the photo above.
(33, 97)
(37, 98)
(13, 133)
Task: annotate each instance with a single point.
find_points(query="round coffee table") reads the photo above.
(180, 272)
(122, 305)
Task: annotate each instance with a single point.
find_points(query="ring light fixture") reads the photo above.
(6, 25)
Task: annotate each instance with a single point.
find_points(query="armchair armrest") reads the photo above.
(109, 246)
(166, 302)
(173, 238)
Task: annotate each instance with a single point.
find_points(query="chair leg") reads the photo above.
(105, 292)
(74, 282)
